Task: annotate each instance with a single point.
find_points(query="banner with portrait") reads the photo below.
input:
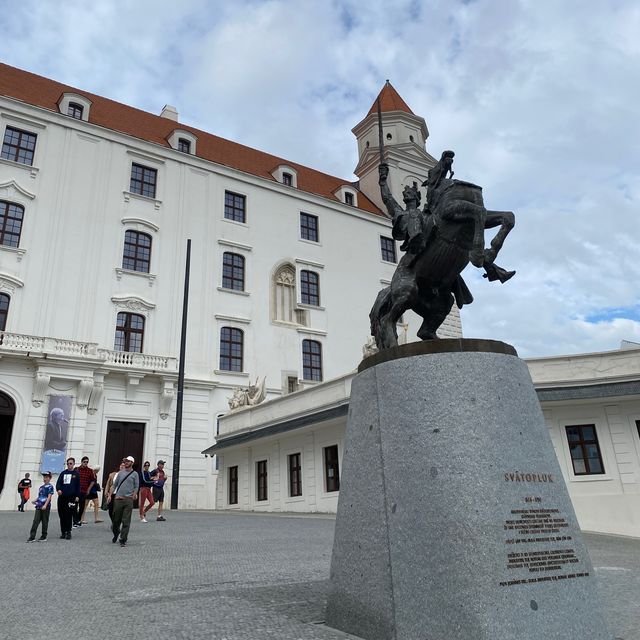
(56, 433)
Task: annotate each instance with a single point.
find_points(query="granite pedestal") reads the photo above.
(454, 521)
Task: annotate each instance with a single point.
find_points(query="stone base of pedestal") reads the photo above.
(454, 522)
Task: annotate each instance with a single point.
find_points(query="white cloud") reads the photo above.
(537, 99)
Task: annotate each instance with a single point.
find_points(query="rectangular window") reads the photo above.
(137, 251)
(129, 332)
(143, 180)
(287, 179)
(233, 485)
(585, 450)
(184, 145)
(231, 346)
(292, 384)
(232, 271)
(309, 288)
(312, 360)
(348, 199)
(261, 477)
(235, 207)
(388, 249)
(18, 146)
(331, 468)
(11, 215)
(295, 475)
(4, 311)
(309, 227)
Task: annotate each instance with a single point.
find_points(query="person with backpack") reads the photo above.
(123, 493)
(24, 490)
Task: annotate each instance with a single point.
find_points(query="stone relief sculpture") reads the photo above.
(439, 241)
(248, 396)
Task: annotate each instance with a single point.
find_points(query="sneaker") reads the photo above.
(161, 519)
(31, 540)
(114, 539)
(42, 539)
(63, 536)
(83, 522)
(123, 543)
(68, 535)
(143, 519)
(75, 525)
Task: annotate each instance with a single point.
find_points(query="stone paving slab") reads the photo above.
(218, 576)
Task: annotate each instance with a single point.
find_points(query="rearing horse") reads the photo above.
(439, 243)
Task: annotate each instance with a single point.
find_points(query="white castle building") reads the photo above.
(97, 201)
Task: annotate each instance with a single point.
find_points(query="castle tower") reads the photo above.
(405, 135)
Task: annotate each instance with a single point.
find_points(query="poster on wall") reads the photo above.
(56, 433)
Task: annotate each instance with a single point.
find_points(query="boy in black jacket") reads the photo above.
(68, 489)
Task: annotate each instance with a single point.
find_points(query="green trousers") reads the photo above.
(40, 515)
(122, 509)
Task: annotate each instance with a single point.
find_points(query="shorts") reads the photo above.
(91, 496)
(158, 494)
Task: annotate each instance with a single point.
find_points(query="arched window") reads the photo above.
(310, 288)
(4, 310)
(284, 294)
(137, 251)
(231, 347)
(311, 360)
(11, 215)
(75, 110)
(232, 271)
(129, 332)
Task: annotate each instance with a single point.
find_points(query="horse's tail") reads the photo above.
(381, 306)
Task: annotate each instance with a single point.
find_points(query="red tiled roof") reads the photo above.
(390, 100)
(42, 92)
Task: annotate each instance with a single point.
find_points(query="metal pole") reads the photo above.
(175, 477)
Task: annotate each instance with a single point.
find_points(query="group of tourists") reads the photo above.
(77, 490)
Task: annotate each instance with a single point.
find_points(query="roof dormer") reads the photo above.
(75, 106)
(286, 175)
(184, 141)
(347, 194)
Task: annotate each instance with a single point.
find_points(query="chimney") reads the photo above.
(169, 112)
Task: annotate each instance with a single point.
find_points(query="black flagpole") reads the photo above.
(175, 477)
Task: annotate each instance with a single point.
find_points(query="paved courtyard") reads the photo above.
(211, 575)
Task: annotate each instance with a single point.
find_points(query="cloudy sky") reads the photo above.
(538, 98)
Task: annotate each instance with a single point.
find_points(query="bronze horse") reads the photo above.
(439, 243)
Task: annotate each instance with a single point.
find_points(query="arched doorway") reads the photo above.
(7, 414)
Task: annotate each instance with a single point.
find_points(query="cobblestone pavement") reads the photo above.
(211, 575)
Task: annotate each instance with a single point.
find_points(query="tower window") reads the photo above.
(184, 145)
(348, 199)
(287, 179)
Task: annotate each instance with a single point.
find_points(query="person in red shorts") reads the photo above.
(146, 484)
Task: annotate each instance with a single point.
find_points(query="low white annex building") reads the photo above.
(285, 455)
(97, 201)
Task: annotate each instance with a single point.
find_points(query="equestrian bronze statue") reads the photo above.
(439, 241)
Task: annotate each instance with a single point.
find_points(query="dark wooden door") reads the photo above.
(123, 439)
